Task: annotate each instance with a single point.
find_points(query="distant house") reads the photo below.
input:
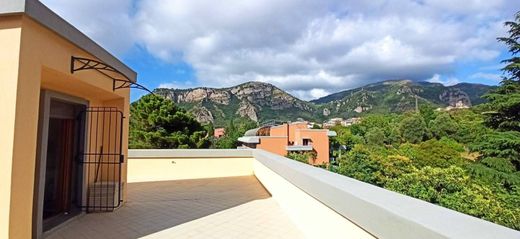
(332, 122)
(340, 121)
(458, 105)
(290, 137)
(351, 121)
(219, 132)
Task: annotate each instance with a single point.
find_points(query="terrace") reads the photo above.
(223, 207)
(56, 163)
(256, 194)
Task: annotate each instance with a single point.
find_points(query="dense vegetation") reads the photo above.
(452, 160)
(304, 157)
(157, 123)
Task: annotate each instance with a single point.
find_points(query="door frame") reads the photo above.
(46, 97)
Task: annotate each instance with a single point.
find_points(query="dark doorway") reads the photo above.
(307, 142)
(63, 176)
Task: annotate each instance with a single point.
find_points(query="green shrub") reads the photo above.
(304, 157)
(413, 128)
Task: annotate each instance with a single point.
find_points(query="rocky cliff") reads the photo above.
(256, 101)
(400, 96)
(262, 102)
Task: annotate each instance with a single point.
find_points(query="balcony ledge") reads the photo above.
(299, 148)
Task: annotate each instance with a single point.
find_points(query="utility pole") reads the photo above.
(416, 104)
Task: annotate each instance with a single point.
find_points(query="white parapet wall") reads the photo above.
(382, 213)
(313, 218)
(165, 165)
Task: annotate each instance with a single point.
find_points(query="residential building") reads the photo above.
(335, 121)
(219, 132)
(351, 121)
(291, 137)
(458, 105)
(340, 121)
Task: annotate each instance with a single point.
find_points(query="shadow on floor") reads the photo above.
(155, 206)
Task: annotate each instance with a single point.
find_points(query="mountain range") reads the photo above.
(262, 102)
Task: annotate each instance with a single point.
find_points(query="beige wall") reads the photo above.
(10, 34)
(314, 219)
(35, 58)
(164, 169)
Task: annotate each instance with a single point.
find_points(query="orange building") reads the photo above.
(291, 137)
(219, 132)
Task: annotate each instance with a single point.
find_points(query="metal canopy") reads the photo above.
(119, 80)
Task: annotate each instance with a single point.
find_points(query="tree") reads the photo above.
(155, 122)
(413, 128)
(316, 126)
(371, 121)
(505, 100)
(443, 125)
(358, 164)
(470, 126)
(375, 165)
(345, 138)
(393, 136)
(500, 145)
(375, 136)
(432, 153)
(428, 113)
(234, 130)
(304, 157)
(430, 184)
(453, 188)
(484, 183)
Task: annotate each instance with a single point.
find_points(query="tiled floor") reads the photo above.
(237, 207)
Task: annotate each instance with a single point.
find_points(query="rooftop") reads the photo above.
(251, 193)
(231, 207)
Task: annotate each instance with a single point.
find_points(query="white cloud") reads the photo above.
(108, 22)
(169, 85)
(447, 81)
(310, 94)
(177, 85)
(305, 47)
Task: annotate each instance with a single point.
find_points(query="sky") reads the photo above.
(308, 48)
